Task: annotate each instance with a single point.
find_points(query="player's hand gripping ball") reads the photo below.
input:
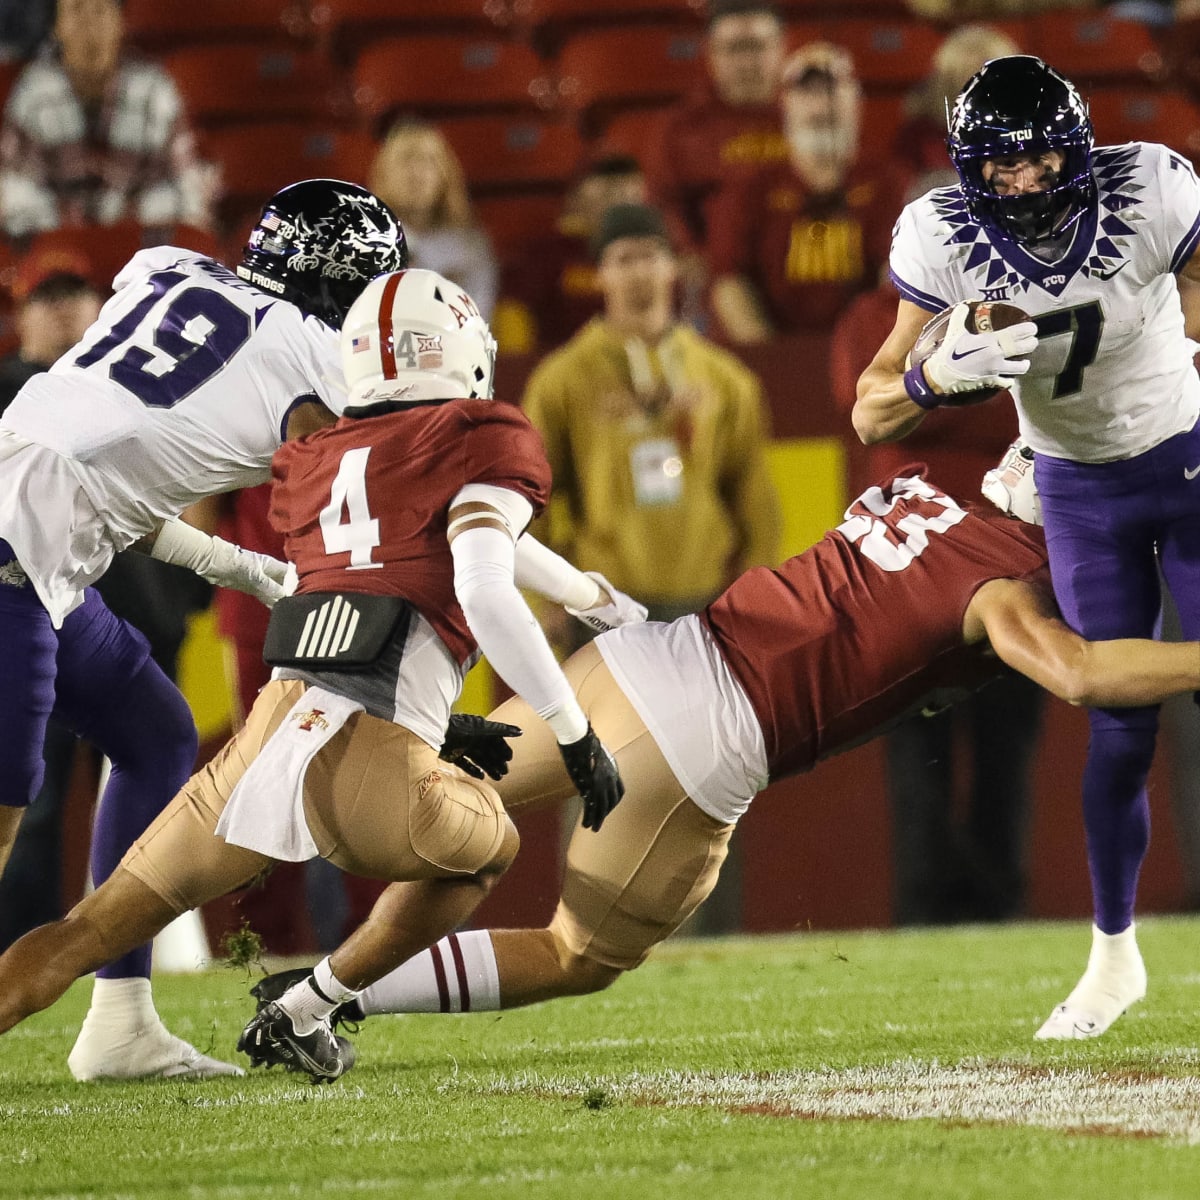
(974, 350)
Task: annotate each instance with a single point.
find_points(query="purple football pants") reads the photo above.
(97, 677)
(1109, 526)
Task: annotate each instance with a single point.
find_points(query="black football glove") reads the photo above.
(477, 745)
(594, 773)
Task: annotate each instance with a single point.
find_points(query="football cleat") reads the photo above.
(103, 1051)
(270, 1040)
(271, 987)
(1115, 978)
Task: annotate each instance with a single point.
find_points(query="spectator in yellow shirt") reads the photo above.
(654, 434)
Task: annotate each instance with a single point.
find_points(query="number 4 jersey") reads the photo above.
(182, 388)
(1112, 375)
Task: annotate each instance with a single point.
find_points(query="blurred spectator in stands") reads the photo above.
(919, 148)
(548, 286)
(24, 25)
(946, 867)
(656, 439)
(723, 132)
(792, 244)
(417, 174)
(655, 436)
(92, 134)
(56, 302)
(949, 11)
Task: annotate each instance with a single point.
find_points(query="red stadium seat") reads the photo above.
(1093, 46)
(8, 76)
(257, 160)
(348, 25)
(151, 23)
(1146, 115)
(616, 67)
(887, 53)
(571, 13)
(221, 84)
(439, 74)
(498, 151)
(881, 117)
(512, 220)
(630, 132)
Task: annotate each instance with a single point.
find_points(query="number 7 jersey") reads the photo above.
(181, 389)
(1112, 376)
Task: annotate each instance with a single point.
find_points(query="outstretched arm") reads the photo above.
(1024, 627)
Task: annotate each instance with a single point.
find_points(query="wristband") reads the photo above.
(919, 391)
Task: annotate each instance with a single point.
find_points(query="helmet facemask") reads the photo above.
(1014, 106)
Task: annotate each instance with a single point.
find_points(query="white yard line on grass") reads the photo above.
(1131, 1104)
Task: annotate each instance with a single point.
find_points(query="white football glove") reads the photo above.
(966, 361)
(617, 609)
(223, 563)
(1010, 487)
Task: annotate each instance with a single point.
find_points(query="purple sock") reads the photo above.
(1116, 815)
(113, 694)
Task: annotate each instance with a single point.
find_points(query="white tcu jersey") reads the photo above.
(1112, 376)
(182, 388)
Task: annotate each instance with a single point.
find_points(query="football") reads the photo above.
(984, 317)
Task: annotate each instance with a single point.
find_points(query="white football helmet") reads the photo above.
(1009, 485)
(414, 336)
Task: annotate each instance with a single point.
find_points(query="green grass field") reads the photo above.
(873, 1065)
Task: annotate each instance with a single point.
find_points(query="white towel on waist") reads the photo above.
(266, 810)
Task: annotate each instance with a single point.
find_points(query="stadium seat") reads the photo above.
(575, 13)
(441, 74)
(609, 67)
(881, 117)
(349, 25)
(155, 25)
(1146, 115)
(630, 132)
(888, 54)
(498, 151)
(257, 160)
(1093, 46)
(8, 76)
(222, 84)
(512, 220)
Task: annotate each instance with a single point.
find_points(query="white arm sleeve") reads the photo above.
(541, 570)
(507, 632)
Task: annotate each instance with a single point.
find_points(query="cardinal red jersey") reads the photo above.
(362, 506)
(867, 624)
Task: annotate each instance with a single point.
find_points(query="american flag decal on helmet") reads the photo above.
(360, 344)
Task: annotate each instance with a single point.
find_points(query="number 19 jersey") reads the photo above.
(1112, 375)
(180, 389)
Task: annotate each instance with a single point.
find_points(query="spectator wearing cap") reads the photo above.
(655, 436)
(56, 302)
(92, 135)
(548, 286)
(793, 244)
(727, 129)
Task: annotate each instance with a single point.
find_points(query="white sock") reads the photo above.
(125, 1002)
(1113, 951)
(457, 974)
(310, 1001)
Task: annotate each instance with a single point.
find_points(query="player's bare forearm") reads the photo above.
(883, 412)
(1024, 628)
